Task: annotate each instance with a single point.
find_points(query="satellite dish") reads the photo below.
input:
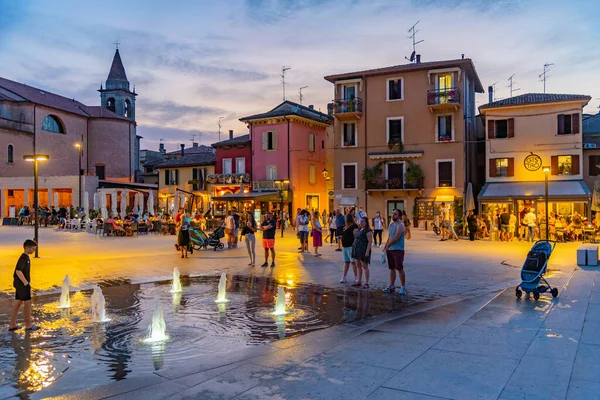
(412, 57)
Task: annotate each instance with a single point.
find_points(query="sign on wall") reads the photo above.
(533, 162)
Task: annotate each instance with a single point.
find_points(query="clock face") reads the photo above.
(533, 162)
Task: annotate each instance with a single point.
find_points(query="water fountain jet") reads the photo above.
(280, 302)
(98, 306)
(157, 330)
(176, 286)
(65, 298)
(222, 295)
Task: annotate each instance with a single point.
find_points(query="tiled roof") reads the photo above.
(536, 98)
(193, 150)
(189, 160)
(117, 70)
(232, 142)
(290, 108)
(153, 158)
(466, 62)
(101, 112)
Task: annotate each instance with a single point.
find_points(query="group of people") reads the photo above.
(47, 215)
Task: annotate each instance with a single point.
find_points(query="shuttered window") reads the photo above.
(269, 140)
(167, 177)
(502, 167)
(349, 176)
(594, 165)
(568, 124)
(445, 173)
(564, 165)
(501, 128)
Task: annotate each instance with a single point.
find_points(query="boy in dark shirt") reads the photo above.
(22, 284)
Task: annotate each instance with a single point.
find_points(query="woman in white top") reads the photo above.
(378, 226)
(332, 228)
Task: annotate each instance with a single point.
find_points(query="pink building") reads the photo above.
(288, 144)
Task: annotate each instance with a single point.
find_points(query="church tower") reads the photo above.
(116, 95)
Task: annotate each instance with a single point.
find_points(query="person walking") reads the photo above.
(229, 228)
(445, 217)
(406, 222)
(504, 225)
(317, 233)
(340, 222)
(268, 228)
(348, 232)
(512, 225)
(472, 225)
(378, 226)
(331, 225)
(22, 285)
(360, 214)
(183, 234)
(530, 221)
(361, 251)
(236, 226)
(302, 228)
(394, 250)
(451, 231)
(248, 233)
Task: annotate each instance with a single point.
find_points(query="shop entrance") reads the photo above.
(312, 203)
(391, 206)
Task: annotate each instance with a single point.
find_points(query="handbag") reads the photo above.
(228, 231)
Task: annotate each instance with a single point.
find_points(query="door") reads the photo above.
(444, 83)
(349, 92)
(312, 203)
(391, 206)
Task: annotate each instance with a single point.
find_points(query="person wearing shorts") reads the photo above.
(302, 229)
(394, 250)
(340, 222)
(268, 228)
(22, 285)
(349, 230)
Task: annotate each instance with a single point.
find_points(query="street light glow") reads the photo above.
(36, 157)
(77, 145)
(546, 169)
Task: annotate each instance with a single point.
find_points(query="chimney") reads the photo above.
(462, 56)
(182, 149)
(312, 107)
(230, 134)
(161, 148)
(490, 94)
(194, 144)
(418, 59)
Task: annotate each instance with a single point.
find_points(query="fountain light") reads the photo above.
(98, 306)
(280, 302)
(176, 286)
(157, 330)
(222, 295)
(65, 298)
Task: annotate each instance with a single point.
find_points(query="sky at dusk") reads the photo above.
(195, 61)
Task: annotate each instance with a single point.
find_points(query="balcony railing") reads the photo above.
(394, 184)
(259, 186)
(443, 96)
(343, 106)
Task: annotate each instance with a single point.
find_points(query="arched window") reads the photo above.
(10, 154)
(52, 124)
(127, 109)
(110, 104)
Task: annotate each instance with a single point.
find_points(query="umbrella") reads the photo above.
(56, 199)
(136, 203)
(86, 204)
(182, 200)
(124, 196)
(151, 203)
(103, 204)
(595, 197)
(113, 202)
(469, 203)
(95, 201)
(141, 203)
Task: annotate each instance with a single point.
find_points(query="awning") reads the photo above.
(126, 185)
(348, 201)
(445, 199)
(395, 155)
(261, 196)
(557, 190)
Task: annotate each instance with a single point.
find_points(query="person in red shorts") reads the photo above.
(268, 228)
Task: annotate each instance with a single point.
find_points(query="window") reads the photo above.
(395, 89)
(271, 172)
(227, 165)
(395, 175)
(127, 109)
(100, 172)
(269, 140)
(312, 175)
(240, 165)
(110, 104)
(444, 84)
(174, 177)
(195, 186)
(502, 167)
(564, 165)
(312, 142)
(568, 124)
(11, 192)
(594, 165)
(395, 130)
(444, 128)
(349, 92)
(52, 124)
(349, 176)
(501, 128)
(349, 135)
(445, 173)
(10, 154)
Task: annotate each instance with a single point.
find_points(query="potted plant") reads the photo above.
(414, 175)
(212, 178)
(396, 142)
(371, 174)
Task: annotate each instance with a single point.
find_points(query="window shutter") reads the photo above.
(177, 177)
(492, 167)
(511, 127)
(593, 165)
(491, 130)
(202, 177)
(575, 122)
(511, 167)
(194, 178)
(554, 165)
(274, 140)
(561, 125)
(265, 140)
(167, 177)
(575, 165)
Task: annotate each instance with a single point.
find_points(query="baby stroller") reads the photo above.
(215, 238)
(200, 240)
(534, 269)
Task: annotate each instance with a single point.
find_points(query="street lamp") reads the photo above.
(79, 150)
(546, 172)
(281, 220)
(35, 158)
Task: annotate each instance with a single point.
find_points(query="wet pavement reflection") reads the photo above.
(71, 352)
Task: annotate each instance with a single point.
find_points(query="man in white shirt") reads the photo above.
(230, 229)
(445, 216)
(530, 220)
(360, 214)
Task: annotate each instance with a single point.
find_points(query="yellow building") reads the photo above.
(524, 134)
(182, 182)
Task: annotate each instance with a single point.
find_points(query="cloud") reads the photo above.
(173, 137)
(171, 114)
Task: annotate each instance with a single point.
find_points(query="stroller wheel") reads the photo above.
(554, 292)
(536, 295)
(519, 293)
(221, 245)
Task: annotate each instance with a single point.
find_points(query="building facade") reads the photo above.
(401, 136)
(526, 135)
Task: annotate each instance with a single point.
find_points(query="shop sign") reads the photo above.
(331, 193)
(533, 162)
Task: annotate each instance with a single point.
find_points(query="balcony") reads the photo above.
(260, 186)
(347, 109)
(394, 184)
(443, 99)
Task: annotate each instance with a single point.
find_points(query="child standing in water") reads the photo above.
(22, 284)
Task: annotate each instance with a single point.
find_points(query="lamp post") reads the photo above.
(546, 172)
(35, 158)
(281, 220)
(79, 150)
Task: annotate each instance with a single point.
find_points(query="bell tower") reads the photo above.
(116, 96)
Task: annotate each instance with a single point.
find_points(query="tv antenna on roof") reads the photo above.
(193, 137)
(413, 35)
(511, 85)
(283, 70)
(219, 125)
(544, 75)
(300, 94)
